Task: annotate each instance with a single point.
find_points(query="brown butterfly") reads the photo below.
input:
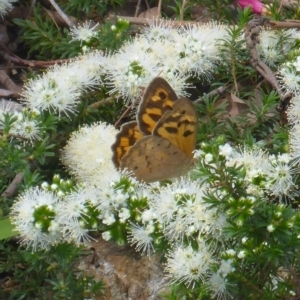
(160, 144)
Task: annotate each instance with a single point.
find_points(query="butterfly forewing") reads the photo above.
(179, 126)
(159, 145)
(125, 139)
(153, 158)
(158, 98)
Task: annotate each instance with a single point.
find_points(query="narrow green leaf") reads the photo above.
(6, 229)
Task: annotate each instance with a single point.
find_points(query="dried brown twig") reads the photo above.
(103, 102)
(218, 91)
(12, 188)
(33, 63)
(252, 31)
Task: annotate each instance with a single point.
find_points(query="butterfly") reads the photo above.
(159, 145)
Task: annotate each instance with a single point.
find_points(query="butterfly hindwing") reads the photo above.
(153, 158)
(179, 126)
(158, 98)
(125, 139)
(160, 144)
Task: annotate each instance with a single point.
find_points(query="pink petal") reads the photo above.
(256, 5)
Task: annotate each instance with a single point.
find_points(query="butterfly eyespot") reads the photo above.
(162, 95)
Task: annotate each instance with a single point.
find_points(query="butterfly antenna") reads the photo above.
(124, 114)
(128, 109)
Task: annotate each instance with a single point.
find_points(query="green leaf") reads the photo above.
(7, 230)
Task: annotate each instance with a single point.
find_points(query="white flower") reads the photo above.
(74, 216)
(106, 235)
(26, 128)
(217, 284)
(88, 154)
(280, 179)
(148, 215)
(208, 158)
(198, 48)
(163, 204)
(130, 69)
(124, 214)
(295, 142)
(83, 32)
(241, 254)
(270, 228)
(226, 267)
(141, 237)
(187, 265)
(5, 6)
(226, 150)
(284, 158)
(186, 52)
(159, 29)
(108, 219)
(33, 234)
(254, 160)
(296, 64)
(45, 185)
(59, 88)
(231, 252)
(54, 186)
(76, 232)
(244, 240)
(8, 107)
(24, 125)
(181, 211)
(198, 153)
(74, 205)
(268, 47)
(289, 79)
(50, 91)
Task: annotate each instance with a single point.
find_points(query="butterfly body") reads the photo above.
(160, 144)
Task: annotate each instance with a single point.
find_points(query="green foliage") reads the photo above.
(235, 68)
(219, 10)
(257, 122)
(264, 232)
(89, 7)
(112, 36)
(268, 254)
(45, 275)
(7, 229)
(181, 291)
(182, 9)
(279, 12)
(44, 39)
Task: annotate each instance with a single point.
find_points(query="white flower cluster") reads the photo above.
(23, 123)
(46, 217)
(289, 78)
(176, 213)
(83, 32)
(174, 54)
(5, 6)
(88, 155)
(274, 45)
(32, 231)
(60, 87)
(265, 174)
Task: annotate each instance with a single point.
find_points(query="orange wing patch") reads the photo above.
(159, 97)
(125, 139)
(179, 126)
